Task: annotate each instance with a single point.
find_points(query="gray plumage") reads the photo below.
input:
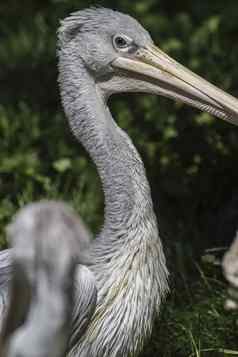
(49, 242)
(230, 271)
(102, 52)
(129, 264)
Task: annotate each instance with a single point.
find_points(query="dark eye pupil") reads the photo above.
(121, 42)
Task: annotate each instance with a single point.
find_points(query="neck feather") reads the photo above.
(126, 190)
(132, 269)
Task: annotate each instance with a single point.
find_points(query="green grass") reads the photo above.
(193, 321)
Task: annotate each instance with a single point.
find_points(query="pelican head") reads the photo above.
(122, 57)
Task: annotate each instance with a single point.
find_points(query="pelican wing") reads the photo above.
(84, 304)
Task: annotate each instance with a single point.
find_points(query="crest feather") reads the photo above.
(84, 20)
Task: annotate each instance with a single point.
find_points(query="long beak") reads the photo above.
(175, 81)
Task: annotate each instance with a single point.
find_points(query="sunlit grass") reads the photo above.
(194, 323)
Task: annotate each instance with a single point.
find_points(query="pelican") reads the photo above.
(230, 271)
(103, 52)
(48, 242)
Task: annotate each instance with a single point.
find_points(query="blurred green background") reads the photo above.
(191, 158)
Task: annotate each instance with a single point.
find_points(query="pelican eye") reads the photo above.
(121, 42)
